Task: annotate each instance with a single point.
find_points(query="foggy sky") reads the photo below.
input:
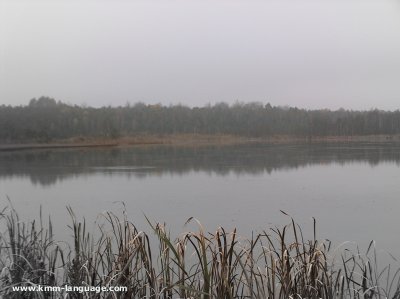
(311, 54)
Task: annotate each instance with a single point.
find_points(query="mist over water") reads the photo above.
(351, 189)
(48, 167)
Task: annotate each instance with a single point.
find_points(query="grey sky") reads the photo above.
(313, 54)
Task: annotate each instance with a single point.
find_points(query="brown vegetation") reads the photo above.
(277, 263)
(191, 140)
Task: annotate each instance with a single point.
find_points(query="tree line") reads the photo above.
(45, 119)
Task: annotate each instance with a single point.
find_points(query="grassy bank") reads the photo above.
(189, 140)
(278, 263)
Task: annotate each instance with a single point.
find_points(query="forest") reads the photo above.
(45, 119)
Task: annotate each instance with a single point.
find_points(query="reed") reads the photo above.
(278, 263)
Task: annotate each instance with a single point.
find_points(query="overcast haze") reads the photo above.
(312, 54)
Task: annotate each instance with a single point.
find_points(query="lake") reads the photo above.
(351, 189)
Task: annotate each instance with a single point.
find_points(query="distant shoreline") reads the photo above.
(190, 140)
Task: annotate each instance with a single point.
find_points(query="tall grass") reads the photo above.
(277, 263)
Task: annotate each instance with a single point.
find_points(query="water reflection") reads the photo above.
(47, 167)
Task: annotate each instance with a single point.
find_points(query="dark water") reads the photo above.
(351, 189)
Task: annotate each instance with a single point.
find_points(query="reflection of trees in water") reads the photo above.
(46, 167)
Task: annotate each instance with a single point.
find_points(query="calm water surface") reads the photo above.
(351, 189)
